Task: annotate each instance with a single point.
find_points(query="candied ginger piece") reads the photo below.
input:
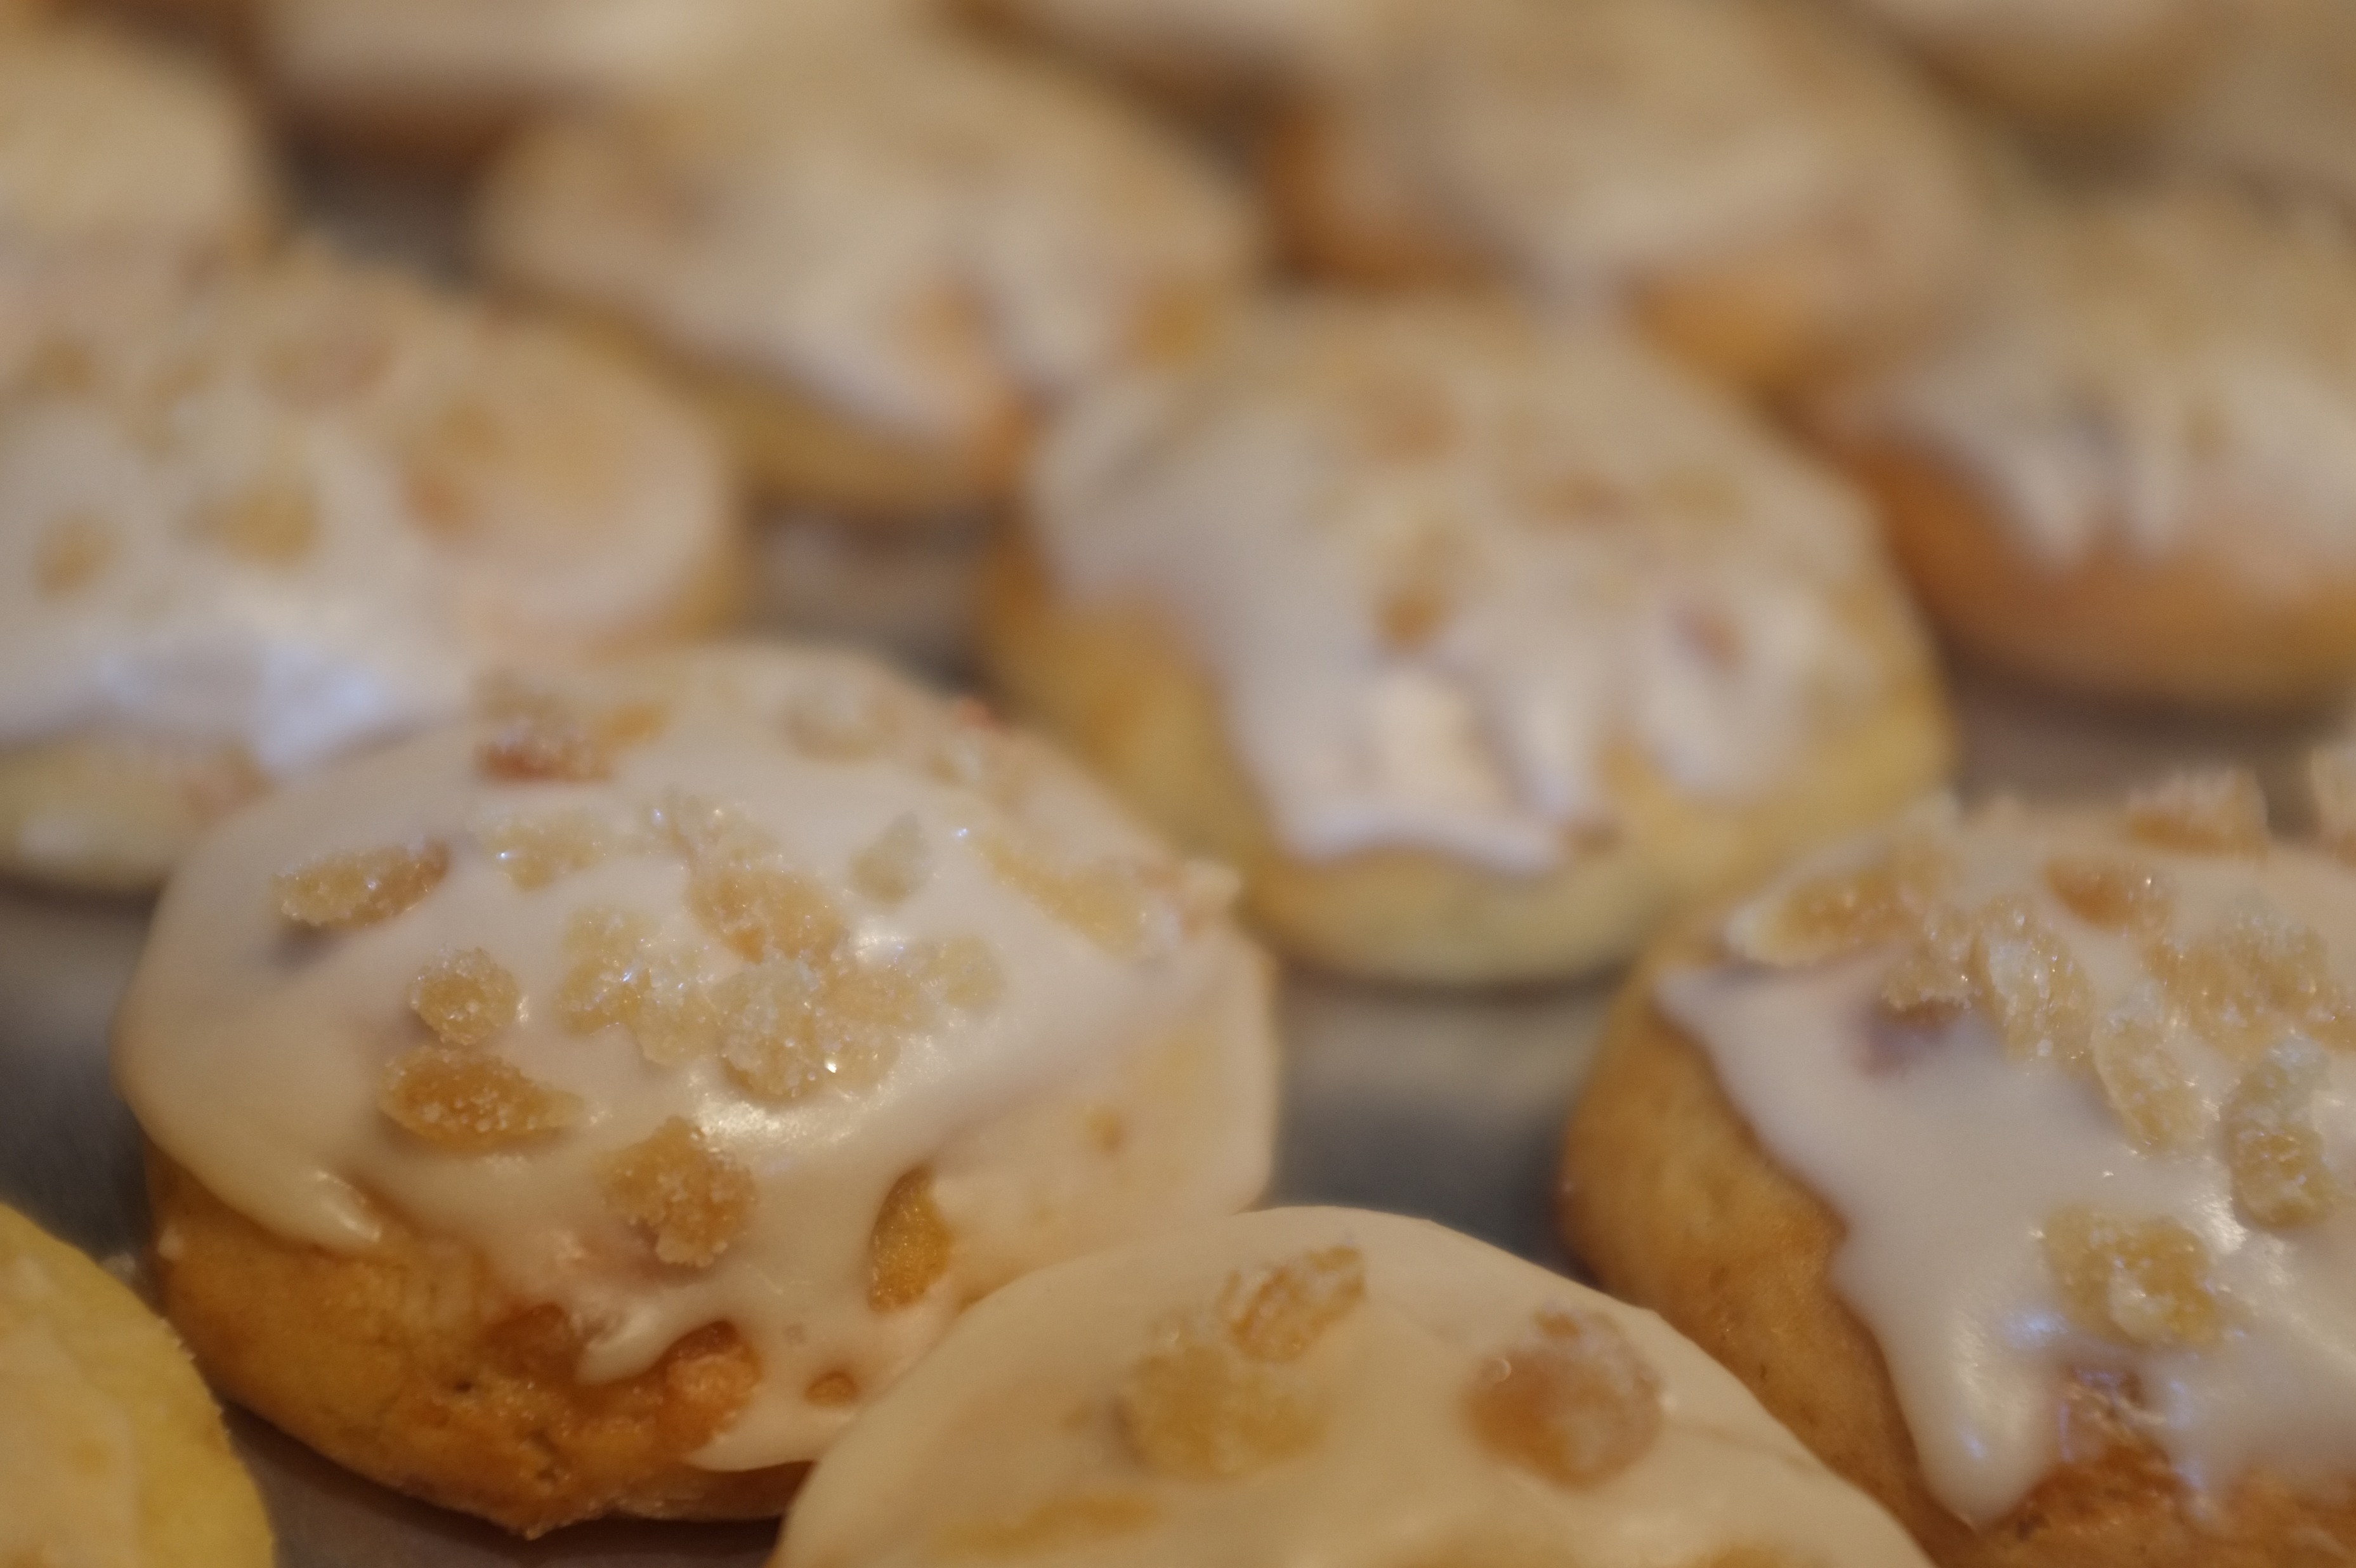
(843, 721)
(72, 553)
(465, 1101)
(2143, 1283)
(535, 735)
(619, 973)
(2147, 1086)
(464, 996)
(535, 848)
(691, 1198)
(897, 864)
(2112, 892)
(1059, 1525)
(705, 830)
(908, 1251)
(2222, 812)
(766, 911)
(832, 1390)
(1197, 1408)
(961, 972)
(2030, 984)
(2257, 975)
(790, 1029)
(1836, 913)
(2280, 1178)
(1933, 983)
(2331, 780)
(1575, 1401)
(345, 892)
(1278, 1312)
(1112, 902)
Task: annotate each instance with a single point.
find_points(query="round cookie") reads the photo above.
(879, 255)
(2006, 1160)
(127, 175)
(1319, 1386)
(111, 1450)
(2275, 104)
(1761, 187)
(587, 1108)
(1479, 644)
(2083, 65)
(443, 80)
(2131, 469)
(301, 513)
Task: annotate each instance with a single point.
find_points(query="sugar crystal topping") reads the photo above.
(2124, 1041)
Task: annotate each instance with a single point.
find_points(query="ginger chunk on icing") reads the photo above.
(766, 911)
(2143, 1283)
(2256, 976)
(1198, 1408)
(1573, 1401)
(689, 1199)
(2113, 892)
(1833, 914)
(345, 892)
(464, 996)
(2222, 812)
(537, 847)
(910, 1247)
(961, 972)
(468, 1101)
(1277, 1313)
(539, 735)
(2147, 1085)
(2032, 984)
(621, 972)
(789, 1029)
(2280, 1178)
(896, 864)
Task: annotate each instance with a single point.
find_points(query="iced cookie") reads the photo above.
(1760, 186)
(2131, 468)
(1309, 1387)
(880, 257)
(305, 513)
(2008, 1160)
(588, 1108)
(111, 1453)
(127, 175)
(1479, 644)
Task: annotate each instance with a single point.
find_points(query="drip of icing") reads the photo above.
(1441, 561)
(68, 1460)
(254, 1058)
(305, 513)
(925, 234)
(1590, 142)
(1015, 1414)
(1946, 1162)
(2148, 369)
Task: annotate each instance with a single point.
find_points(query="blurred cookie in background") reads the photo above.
(880, 257)
(1479, 644)
(2082, 65)
(129, 174)
(111, 1450)
(301, 513)
(2276, 101)
(1762, 186)
(2130, 469)
(1319, 1386)
(588, 1107)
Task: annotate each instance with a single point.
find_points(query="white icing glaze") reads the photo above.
(1944, 1161)
(124, 171)
(426, 54)
(2279, 102)
(69, 1473)
(1015, 1409)
(463, 488)
(254, 1058)
(1615, 556)
(1591, 143)
(2149, 368)
(920, 232)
